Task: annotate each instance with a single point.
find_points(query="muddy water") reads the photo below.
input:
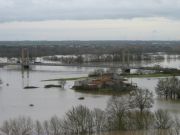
(148, 132)
(15, 101)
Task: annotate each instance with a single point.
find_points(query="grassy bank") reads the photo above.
(128, 76)
(151, 75)
(66, 79)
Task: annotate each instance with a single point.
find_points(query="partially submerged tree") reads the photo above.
(162, 89)
(55, 126)
(39, 128)
(46, 127)
(141, 99)
(168, 88)
(176, 126)
(78, 120)
(6, 128)
(163, 119)
(140, 121)
(19, 126)
(99, 120)
(117, 108)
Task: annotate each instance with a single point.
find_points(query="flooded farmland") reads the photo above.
(15, 100)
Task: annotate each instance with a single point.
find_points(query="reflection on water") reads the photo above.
(25, 77)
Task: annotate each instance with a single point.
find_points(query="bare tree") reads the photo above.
(141, 99)
(116, 112)
(99, 120)
(78, 121)
(161, 88)
(6, 128)
(38, 128)
(163, 120)
(19, 126)
(55, 126)
(140, 121)
(176, 126)
(46, 127)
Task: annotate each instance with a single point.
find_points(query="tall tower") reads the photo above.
(25, 58)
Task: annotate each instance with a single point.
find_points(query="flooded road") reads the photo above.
(15, 101)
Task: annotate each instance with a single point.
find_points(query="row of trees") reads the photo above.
(115, 57)
(49, 48)
(168, 88)
(129, 113)
(82, 121)
(121, 113)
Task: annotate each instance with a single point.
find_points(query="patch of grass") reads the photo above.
(66, 79)
(151, 75)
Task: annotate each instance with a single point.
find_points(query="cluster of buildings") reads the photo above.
(109, 81)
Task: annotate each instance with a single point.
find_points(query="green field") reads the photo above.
(66, 79)
(150, 75)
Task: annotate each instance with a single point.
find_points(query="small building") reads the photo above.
(81, 82)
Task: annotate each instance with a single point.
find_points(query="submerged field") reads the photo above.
(15, 100)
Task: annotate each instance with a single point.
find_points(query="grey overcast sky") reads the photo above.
(89, 19)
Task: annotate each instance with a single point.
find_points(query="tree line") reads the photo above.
(116, 57)
(128, 113)
(49, 48)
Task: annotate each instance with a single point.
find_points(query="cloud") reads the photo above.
(37, 10)
(154, 31)
(120, 29)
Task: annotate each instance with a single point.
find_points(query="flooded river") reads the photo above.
(15, 101)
